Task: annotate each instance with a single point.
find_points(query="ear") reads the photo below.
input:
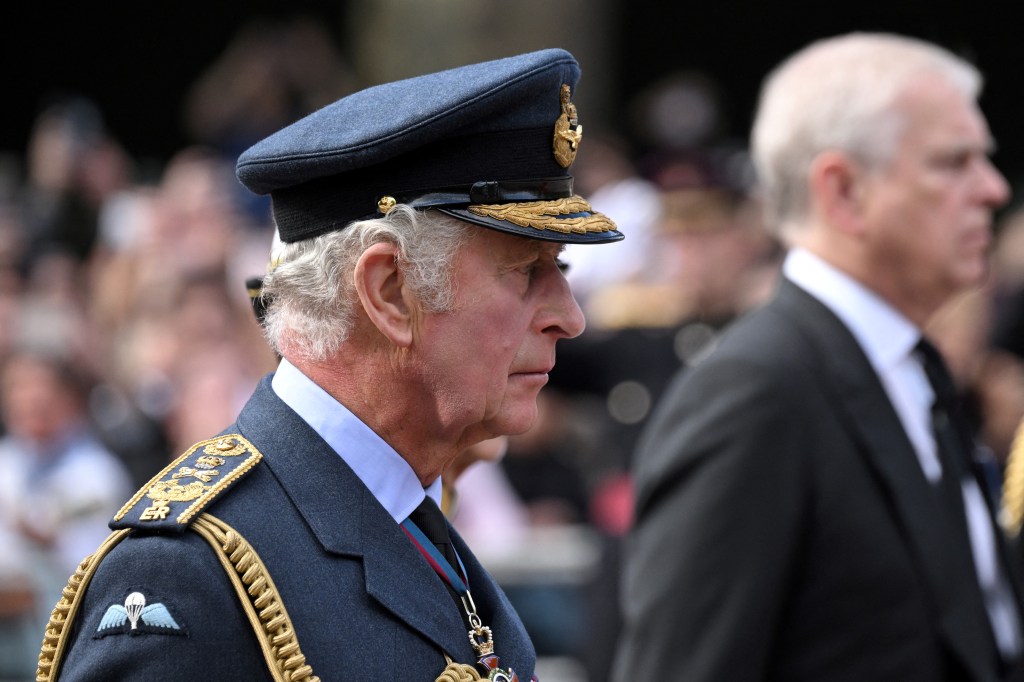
(380, 285)
(837, 190)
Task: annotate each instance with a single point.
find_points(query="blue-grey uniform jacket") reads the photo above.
(360, 602)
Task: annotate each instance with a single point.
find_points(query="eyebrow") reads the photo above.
(533, 249)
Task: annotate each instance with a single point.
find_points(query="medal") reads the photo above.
(483, 644)
(479, 634)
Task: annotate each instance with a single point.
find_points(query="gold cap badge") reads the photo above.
(568, 131)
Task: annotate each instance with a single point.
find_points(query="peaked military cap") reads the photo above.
(489, 143)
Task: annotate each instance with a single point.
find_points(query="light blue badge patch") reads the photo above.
(137, 617)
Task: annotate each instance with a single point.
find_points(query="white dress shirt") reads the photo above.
(888, 339)
(388, 476)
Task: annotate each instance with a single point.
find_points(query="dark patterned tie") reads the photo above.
(431, 521)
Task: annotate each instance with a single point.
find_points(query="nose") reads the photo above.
(995, 188)
(561, 315)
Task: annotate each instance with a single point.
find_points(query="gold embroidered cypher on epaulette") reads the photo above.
(190, 483)
(257, 593)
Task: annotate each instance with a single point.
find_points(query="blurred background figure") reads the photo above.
(607, 172)
(995, 388)
(59, 488)
(59, 213)
(479, 500)
(1006, 289)
(270, 73)
(990, 379)
(170, 306)
(808, 506)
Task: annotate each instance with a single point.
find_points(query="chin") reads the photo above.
(972, 275)
(513, 424)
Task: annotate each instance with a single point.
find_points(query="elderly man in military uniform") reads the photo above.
(416, 297)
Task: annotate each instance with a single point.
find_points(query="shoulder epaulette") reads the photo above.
(188, 485)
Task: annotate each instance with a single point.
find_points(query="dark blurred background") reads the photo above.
(137, 61)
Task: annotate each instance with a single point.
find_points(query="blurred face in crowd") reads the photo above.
(36, 404)
(928, 215)
(485, 361)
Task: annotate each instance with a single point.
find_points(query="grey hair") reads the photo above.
(310, 289)
(840, 93)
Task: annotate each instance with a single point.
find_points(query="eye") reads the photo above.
(533, 268)
(958, 160)
(541, 263)
(529, 269)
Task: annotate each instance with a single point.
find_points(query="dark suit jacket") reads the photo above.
(785, 530)
(364, 602)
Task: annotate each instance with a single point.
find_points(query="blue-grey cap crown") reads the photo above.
(482, 134)
(386, 121)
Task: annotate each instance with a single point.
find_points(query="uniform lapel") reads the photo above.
(402, 581)
(941, 553)
(348, 521)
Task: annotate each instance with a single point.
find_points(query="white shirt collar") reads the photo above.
(884, 333)
(388, 476)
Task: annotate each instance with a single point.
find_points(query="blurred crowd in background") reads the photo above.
(126, 333)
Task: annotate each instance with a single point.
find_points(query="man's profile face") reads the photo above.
(930, 211)
(484, 362)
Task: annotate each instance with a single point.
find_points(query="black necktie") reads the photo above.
(953, 441)
(952, 433)
(952, 426)
(956, 449)
(952, 429)
(429, 519)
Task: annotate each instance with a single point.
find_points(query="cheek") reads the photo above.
(913, 219)
(484, 350)
(499, 324)
(494, 353)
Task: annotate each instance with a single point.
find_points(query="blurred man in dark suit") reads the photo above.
(807, 508)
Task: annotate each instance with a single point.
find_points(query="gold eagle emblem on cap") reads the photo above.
(568, 131)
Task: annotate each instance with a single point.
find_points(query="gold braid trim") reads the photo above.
(1013, 485)
(260, 599)
(458, 672)
(55, 639)
(543, 215)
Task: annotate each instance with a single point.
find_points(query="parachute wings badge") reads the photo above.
(137, 617)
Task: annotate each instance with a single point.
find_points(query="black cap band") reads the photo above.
(527, 172)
